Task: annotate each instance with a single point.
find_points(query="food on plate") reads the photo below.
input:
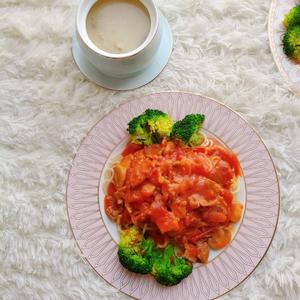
(187, 129)
(172, 195)
(140, 255)
(291, 37)
(291, 43)
(292, 17)
(150, 127)
(168, 269)
(135, 252)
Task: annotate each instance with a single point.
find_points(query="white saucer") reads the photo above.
(160, 60)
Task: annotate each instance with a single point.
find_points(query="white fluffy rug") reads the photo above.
(47, 106)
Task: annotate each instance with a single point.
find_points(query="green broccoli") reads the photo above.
(150, 127)
(138, 131)
(139, 255)
(135, 252)
(187, 129)
(292, 17)
(168, 269)
(291, 43)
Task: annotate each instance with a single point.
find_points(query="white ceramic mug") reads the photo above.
(125, 64)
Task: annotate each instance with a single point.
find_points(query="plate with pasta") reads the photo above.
(173, 194)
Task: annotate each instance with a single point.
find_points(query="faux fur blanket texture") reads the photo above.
(221, 49)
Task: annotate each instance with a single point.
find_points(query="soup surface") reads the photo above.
(118, 26)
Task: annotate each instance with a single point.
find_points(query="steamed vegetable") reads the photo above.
(168, 269)
(292, 17)
(140, 255)
(291, 43)
(187, 129)
(135, 252)
(150, 127)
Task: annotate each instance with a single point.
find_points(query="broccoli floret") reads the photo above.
(168, 269)
(133, 262)
(292, 17)
(139, 255)
(135, 252)
(138, 131)
(160, 124)
(187, 129)
(150, 127)
(291, 43)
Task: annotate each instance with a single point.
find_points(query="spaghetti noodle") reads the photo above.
(174, 193)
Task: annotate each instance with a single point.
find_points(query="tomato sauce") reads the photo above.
(178, 194)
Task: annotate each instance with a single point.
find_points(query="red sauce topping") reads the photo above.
(177, 193)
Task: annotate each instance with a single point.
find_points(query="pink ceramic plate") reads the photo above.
(227, 268)
(289, 69)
